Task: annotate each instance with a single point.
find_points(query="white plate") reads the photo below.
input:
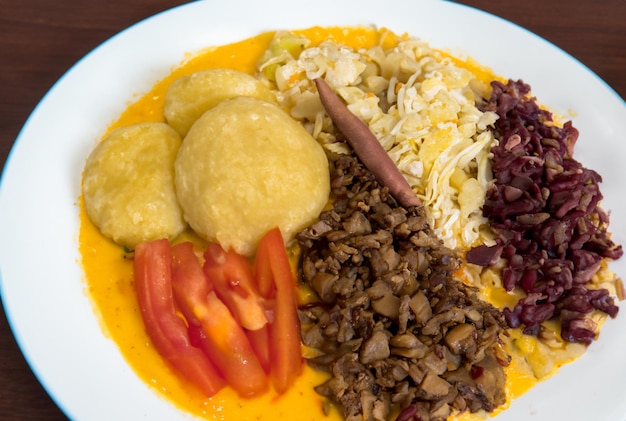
(42, 284)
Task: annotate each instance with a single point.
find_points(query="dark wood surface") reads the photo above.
(41, 39)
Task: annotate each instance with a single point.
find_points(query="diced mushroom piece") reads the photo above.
(342, 251)
(313, 337)
(434, 387)
(388, 306)
(383, 300)
(474, 315)
(367, 404)
(346, 330)
(491, 382)
(357, 224)
(421, 307)
(441, 413)
(390, 256)
(373, 407)
(453, 361)
(461, 339)
(322, 283)
(413, 353)
(459, 403)
(405, 340)
(454, 315)
(416, 373)
(376, 347)
(316, 230)
(373, 240)
(411, 286)
(381, 410)
(345, 283)
(404, 313)
(399, 370)
(432, 363)
(408, 345)
(394, 218)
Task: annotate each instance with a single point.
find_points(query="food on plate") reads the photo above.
(395, 322)
(543, 207)
(392, 326)
(245, 167)
(128, 184)
(190, 96)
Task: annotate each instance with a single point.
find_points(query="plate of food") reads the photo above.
(358, 215)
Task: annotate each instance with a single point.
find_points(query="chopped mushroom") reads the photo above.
(461, 339)
(392, 326)
(433, 387)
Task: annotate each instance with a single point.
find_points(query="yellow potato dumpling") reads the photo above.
(190, 96)
(128, 184)
(245, 167)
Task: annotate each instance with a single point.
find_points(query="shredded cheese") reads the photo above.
(422, 108)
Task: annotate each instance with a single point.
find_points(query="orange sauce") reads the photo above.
(109, 271)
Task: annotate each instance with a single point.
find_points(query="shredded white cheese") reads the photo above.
(422, 109)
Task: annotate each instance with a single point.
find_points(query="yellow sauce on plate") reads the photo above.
(109, 270)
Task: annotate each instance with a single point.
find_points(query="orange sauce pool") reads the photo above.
(109, 271)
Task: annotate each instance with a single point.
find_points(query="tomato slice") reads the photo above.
(213, 326)
(226, 343)
(260, 341)
(263, 273)
(284, 331)
(232, 277)
(188, 279)
(168, 332)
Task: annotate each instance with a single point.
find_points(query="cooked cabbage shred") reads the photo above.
(421, 107)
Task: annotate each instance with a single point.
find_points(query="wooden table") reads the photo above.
(41, 39)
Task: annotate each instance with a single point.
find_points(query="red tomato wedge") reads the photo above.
(211, 323)
(232, 277)
(263, 273)
(168, 332)
(260, 341)
(188, 279)
(272, 263)
(227, 344)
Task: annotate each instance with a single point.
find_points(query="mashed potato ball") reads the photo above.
(189, 97)
(128, 184)
(245, 167)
